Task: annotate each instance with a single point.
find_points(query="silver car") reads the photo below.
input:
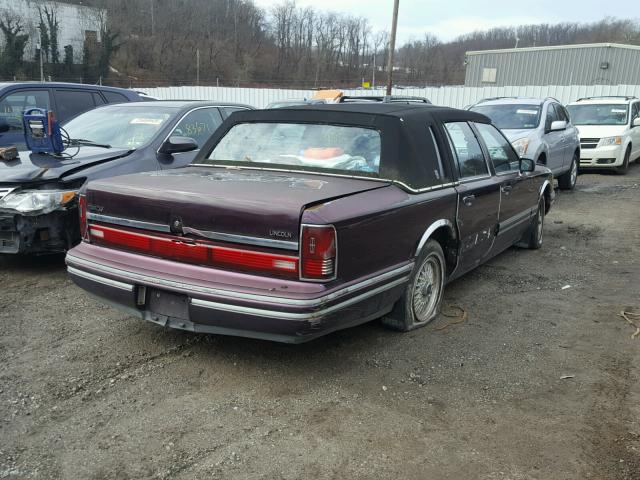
(539, 129)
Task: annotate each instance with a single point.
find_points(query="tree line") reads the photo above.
(236, 43)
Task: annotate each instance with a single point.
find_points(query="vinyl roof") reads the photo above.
(398, 110)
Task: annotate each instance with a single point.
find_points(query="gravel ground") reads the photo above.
(89, 393)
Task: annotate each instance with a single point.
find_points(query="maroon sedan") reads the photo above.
(297, 222)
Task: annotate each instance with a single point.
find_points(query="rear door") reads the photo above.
(12, 108)
(517, 190)
(568, 145)
(478, 196)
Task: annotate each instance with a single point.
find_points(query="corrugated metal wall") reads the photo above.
(565, 66)
(457, 97)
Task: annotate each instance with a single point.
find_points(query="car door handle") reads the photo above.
(506, 189)
(468, 200)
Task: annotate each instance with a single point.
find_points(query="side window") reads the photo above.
(12, 106)
(72, 102)
(635, 111)
(229, 110)
(97, 99)
(560, 112)
(114, 97)
(466, 150)
(551, 117)
(199, 124)
(503, 157)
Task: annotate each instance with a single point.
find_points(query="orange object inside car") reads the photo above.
(323, 153)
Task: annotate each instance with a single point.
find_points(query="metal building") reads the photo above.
(587, 64)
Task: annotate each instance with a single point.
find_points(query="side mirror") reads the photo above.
(558, 125)
(178, 145)
(4, 125)
(527, 165)
(636, 122)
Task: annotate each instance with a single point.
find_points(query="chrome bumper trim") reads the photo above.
(259, 312)
(96, 278)
(126, 222)
(246, 240)
(159, 282)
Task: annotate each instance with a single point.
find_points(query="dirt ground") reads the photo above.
(89, 393)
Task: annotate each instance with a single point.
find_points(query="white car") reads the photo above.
(609, 131)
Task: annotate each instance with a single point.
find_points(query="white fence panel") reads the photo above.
(453, 96)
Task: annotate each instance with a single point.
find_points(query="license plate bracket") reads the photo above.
(168, 304)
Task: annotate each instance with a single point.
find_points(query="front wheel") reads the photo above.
(421, 300)
(567, 181)
(622, 170)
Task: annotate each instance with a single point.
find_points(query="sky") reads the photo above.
(448, 19)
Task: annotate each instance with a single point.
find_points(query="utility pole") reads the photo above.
(197, 66)
(153, 26)
(373, 75)
(392, 46)
(39, 46)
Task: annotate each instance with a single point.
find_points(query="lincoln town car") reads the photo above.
(296, 222)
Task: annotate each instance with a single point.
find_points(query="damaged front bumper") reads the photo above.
(53, 232)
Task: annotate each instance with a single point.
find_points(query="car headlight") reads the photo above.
(521, 146)
(608, 141)
(37, 202)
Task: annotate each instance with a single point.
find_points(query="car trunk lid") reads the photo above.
(235, 205)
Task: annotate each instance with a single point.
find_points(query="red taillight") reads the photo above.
(82, 208)
(318, 252)
(190, 251)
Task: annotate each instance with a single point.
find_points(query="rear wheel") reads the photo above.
(622, 170)
(536, 230)
(421, 300)
(567, 181)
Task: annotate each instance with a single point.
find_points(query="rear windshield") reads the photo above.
(511, 117)
(303, 146)
(599, 114)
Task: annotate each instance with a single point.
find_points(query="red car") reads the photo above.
(293, 223)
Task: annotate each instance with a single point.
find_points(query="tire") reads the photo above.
(534, 237)
(622, 170)
(420, 303)
(567, 181)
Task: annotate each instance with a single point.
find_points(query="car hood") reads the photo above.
(600, 131)
(516, 133)
(36, 167)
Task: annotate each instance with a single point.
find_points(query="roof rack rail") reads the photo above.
(491, 99)
(384, 99)
(626, 97)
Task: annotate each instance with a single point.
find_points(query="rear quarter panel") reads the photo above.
(381, 228)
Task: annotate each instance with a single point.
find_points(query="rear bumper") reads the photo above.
(207, 300)
(50, 233)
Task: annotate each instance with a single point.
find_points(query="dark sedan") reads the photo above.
(38, 192)
(297, 222)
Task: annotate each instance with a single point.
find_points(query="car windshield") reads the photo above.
(120, 126)
(301, 146)
(511, 117)
(599, 114)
